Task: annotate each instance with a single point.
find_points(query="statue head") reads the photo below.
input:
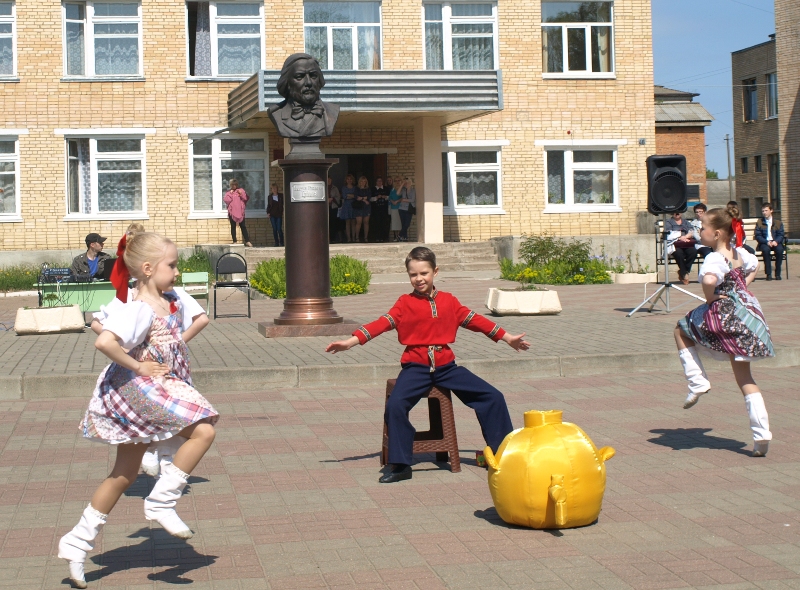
(301, 79)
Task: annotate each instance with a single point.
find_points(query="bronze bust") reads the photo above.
(302, 114)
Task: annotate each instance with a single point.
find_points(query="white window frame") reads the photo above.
(93, 135)
(13, 135)
(353, 37)
(772, 95)
(569, 206)
(12, 20)
(214, 20)
(88, 39)
(448, 20)
(451, 148)
(219, 210)
(564, 44)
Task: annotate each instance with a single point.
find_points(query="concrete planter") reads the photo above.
(523, 302)
(628, 278)
(49, 320)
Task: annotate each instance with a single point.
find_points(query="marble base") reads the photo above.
(270, 330)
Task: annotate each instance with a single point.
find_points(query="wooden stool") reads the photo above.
(441, 438)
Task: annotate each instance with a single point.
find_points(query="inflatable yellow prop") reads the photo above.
(548, 475)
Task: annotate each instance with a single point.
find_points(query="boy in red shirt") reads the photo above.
(426, 322)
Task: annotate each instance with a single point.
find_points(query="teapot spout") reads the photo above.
(606, 453)
(491, 460)
(559, 495)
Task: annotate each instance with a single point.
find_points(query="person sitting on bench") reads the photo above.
(90, 264)
(769, 235)
(426, 322)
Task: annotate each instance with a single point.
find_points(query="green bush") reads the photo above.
(348, 277)
(541, 250)
(571, 269)
(19, 278)
(197, 262)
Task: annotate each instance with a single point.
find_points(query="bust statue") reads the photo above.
(302, 114)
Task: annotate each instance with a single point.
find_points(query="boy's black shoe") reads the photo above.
(777, 277)
(769, 277)
(398, 473)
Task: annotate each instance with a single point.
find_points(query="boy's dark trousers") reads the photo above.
(415, 380)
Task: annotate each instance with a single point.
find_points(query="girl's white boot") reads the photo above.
(759, 423)
(695, 375)
(79, 541)
(160, 504)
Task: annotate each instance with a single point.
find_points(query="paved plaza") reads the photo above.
(288, 495)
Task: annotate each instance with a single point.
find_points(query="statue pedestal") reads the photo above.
(308, 287)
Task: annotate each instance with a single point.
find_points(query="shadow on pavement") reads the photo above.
(179, 556)
(356, 458)
(681, 439)
(144, 483)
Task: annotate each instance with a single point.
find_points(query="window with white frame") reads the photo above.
(7, 39)
(772, 95)
(102, 39)
(105, 176)
(472, 180)
(9, 177)
(217, 160)
(460, 36)
(225, 38)
(578, 38)
(582, 179)
(344, 35)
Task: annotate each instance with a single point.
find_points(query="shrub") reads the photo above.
(22, 277)
(348, 277)
(541, 250)
(556, 261)
(197, 262)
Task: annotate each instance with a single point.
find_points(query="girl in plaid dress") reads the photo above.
(143, 396)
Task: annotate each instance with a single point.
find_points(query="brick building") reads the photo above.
(513, 117)
(680, 129)
(787, 31)
(755, 127)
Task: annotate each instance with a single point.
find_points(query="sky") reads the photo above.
(692, 45)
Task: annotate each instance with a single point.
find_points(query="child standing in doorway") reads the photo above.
(144, 395)
(730, 325)
(426, 322)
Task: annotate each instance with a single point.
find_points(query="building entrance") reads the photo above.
(369, 165)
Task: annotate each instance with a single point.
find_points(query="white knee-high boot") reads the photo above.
(159, 453)
(160, 504)
(695, 375)
(759, 423)
(79, 541)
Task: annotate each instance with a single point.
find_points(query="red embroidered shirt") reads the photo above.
(426, 324)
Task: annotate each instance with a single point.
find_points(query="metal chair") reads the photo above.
(231, 264)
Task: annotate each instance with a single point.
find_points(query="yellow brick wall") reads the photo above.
(534, 109)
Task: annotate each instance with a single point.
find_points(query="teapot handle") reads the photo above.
(606, 453)
(491, 460)
(559, 495)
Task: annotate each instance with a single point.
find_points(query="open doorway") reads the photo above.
(369, 165)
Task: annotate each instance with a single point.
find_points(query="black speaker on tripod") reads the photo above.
(666, 184)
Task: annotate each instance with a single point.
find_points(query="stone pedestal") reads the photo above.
(308, 286)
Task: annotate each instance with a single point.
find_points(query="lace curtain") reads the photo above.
(202, 45)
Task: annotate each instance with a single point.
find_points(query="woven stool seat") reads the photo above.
(441, 438)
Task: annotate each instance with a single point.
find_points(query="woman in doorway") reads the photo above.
(236, 202)
(394, 208)
(380, 211)
(363, 210)
(275, 214)
(348, 214)
(408, 207)
(334, 208)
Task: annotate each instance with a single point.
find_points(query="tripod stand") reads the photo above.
(662, 292)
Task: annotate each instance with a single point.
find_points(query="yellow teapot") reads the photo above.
(548, 475)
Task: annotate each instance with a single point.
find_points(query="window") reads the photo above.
(750, 96)
(460, 36)
(9, 179)
(7, 34)
(225, 38)
(744, 166)
(102, 39)
(472, 181)
(106, 177)
(577, 38)
(757, 163)
(581, 179)
(772, 95)
(215, 161)
(336, 36)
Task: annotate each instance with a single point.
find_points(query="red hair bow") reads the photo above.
(120, 274)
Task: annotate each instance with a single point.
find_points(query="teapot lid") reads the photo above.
(542, 417)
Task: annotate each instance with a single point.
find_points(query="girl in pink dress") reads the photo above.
(143, 396)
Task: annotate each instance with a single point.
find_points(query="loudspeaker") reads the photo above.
(666, 184)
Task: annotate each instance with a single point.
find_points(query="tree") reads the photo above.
(712, 174)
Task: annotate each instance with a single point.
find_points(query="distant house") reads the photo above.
(680, 129)
(755, 127)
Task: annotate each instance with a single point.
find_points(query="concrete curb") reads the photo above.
(249, 379)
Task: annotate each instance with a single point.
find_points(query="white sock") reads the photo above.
(759, 420)
(693, 370)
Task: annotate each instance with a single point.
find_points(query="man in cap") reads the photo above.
(302, 114)
(90, 264)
